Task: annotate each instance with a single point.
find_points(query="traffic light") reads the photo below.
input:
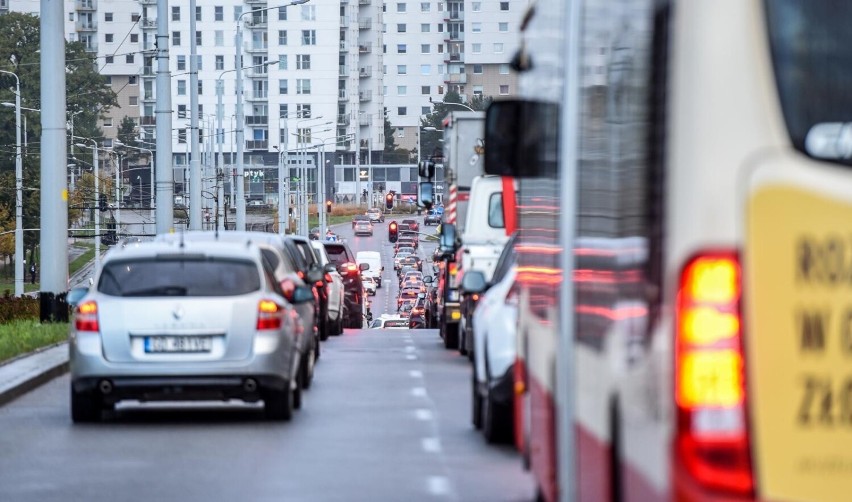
(393, 232)
(102, 202)
(328, 206)
(389, 201)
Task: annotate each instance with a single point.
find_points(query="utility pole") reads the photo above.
(165, 174)
(195, 157)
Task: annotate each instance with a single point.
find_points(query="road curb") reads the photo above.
(21, 375)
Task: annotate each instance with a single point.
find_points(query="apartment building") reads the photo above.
(316, 77)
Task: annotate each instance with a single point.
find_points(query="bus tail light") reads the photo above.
(269, 315)
(86, 318)
(712, 440)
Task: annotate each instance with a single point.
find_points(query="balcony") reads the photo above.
(258, 95)
(365, 24)
(257, 120)
(149, 24)
(365, 96)
(454, 37)
(149, 96)
(147, 121)
(257, 48)
(341, 95)
(148, 2)
(453, 57)
(86, 5)
(92, 47)
(365, 2)
(363, 120)
(256, 23)
(255, 2)
(148, 71)
(344, 23)
(259, 72)
(454, 16)
(343, 119)
(365, 72)
(257, 144)
(86, 26)
(365, 48)
(456, 78)
(343, 46)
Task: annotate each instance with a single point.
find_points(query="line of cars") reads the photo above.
(210, 316)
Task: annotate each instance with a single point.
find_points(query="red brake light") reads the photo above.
(301, 274)
(475, 297)
(327, 277)
(351, 268)
(288, 287)
(710, 393)
(86, 317)
(269, 315)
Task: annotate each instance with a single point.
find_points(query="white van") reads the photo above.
(374, 260)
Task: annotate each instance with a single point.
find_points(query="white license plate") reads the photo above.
(154, 344)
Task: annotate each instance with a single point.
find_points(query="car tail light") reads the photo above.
(327, 277)
(288, 287)
(712, 440)
(86, 317)
(351, 268)
(454, 268)
(475, 297)
(269, 315)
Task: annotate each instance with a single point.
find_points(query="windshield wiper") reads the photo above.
(159, 291)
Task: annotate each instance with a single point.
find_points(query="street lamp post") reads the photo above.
(241, 199)
(19, 189)
(97, 200)
(151, 153)
(117, 195)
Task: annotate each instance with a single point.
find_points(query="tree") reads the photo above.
(86, 92)
(480, 102)
(392, 154)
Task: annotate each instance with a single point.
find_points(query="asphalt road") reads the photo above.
(387, 418)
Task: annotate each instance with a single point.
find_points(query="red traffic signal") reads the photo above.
(393, 232)
(389, 201)
(328, 206)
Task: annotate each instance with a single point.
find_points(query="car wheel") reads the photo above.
(450, 333)
(306, 369)
(496, 420)
(85, 406)
(297, 395)
(476, 403)
(278, 404)
(462, 331)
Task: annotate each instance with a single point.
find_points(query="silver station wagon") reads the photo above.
(179, 320)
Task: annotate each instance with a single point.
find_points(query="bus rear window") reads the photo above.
(811, 47)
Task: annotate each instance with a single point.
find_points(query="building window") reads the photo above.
(198, 13)
(425, 49)
(401, 90)
(477, 90)
(504, 90)
(309, 37)
(303, 134)
(108, 122)
(476, 48)
(181, 140)
(107, 17)
(219, 38)
(309, 12)
(400, 7)
(440, 27)
(425, 69)
(303, 111)
(504, 6)
(198, 60)
(504, 69)
(424, 90)
(303, 86)
(175, 38)
(440, 89)
(282, 111)
(134, 38)
(238, 11)
(424, 6)
(476, 6)
(198, 38)
(181, 63)
(200, 87)
(400, 28)
(400, 132)
(133, 80)
(401, 69)
(109, 60)
(282, 37)
(392, 174)
(181, 113)
(220, 62)
(476, 27)
(282, 62)
(282, 86)
(108, 38)
(477, 69)
(108, 80)
(135, 17)
(218, 13)
(129, 58)
(181, 87)
(424, 28)
(134, 101)
(282, 13)
(503, 27)
(498, 48)
(425, 110)
(401, 49)
(303, 61)
(402, 110)
(175, 13)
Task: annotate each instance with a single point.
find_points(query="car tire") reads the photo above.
(297, 395)
(496, 421)
(306, 368)
(278, 403)
(450, 334)
(462, 337)
(476, 403)
(85, 407)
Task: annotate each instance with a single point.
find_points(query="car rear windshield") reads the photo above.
(338, 254)
(179, 277)
(812, 52)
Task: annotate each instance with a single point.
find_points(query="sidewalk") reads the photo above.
(25, 373)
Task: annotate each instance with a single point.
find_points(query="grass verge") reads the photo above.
(81, 261)
(21, 337)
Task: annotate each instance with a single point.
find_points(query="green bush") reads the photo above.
(18, 309)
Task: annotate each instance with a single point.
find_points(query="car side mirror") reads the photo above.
(364, 266)
(302, 294)
(474, 282)
(314, 275)
(330, 267)
(428, 279)
(75, 295)
(447, 240)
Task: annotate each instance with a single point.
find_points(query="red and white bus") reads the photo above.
(695, 157)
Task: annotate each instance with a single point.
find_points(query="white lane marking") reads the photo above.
(411, 357)
(431, 445)
(438, 486)
(423, 414)
(410, 348)
(415, 374)
(418, 391)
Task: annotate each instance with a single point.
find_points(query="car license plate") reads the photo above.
(157, 344)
